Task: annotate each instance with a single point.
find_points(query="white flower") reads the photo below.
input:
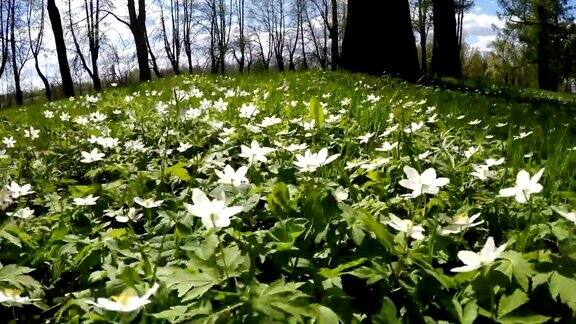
(12, 296)
(340, 194)
(486, 256)
(126, 302)
(483, 172)
(427, 182)
(525, 186)
(32, 133)
(248, 110)
(255, 152)
(92, 156)
(23, 213)
(213, 213)
(183, 147)
(459, 223)
(494, 162)
(424, 155)
(87, 201)
(123, 216)
(18, 191)
(48, 114)
(386, 146)
(414, 127)
(390, 130)
(229, 176)
(365, 138)
(474, 122)
(571, 216)
(309, 162)
(471, 151)
(9, 141)
(148, 203)
(270, 121)
(522, 135)
(407, 226)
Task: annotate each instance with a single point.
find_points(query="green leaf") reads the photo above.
(529, 319)
(508, 304)
(331, 273)
(279, 300)
(279, 200)
(379, 230)
(388, 312)
(563, 287)
(179, 172)
(325, 315)
(285, 232)
(317, 112)
(190, 285)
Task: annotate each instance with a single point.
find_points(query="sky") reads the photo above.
(479, 22)
(478, 29)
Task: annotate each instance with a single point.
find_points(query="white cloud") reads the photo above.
(481, 24)
(482, 43)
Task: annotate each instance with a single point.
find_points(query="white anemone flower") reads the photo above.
(255, 152)
(424, 183)
(17, 190)
(213, 213)
(236, 178)
(459, 223)
(387, 146)
(310, 162)
(525, 186)
(92, 156)
(407, 226)
(472, 260)
(483, 172)
(23, 213)
(148, 203)
(87, 201)
(571, 216)
(127, 301)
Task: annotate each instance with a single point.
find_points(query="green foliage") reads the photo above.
(312, 238)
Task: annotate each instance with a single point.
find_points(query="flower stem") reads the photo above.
(491, 292)
(225, 272)
(527, 229)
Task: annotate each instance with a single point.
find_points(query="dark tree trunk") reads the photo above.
(334, 49)
(15, 69)
(379, 39)
(423, 50)
(547, 77)
(138, 28)
(47, 88)
(56, 22)
(446, 51)
(153, 59)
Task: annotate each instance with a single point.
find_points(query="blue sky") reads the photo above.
(487, 6)
(479, 23)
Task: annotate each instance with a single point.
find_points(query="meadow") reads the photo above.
(310, 197)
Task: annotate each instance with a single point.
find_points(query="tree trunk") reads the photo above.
(47, 88)
(56, 22)
(138, 29)
(446, 52)
(547, 77)
(15, 69)
(334, 36)
(423, 51)
(372, 25)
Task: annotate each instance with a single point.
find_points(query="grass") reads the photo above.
(306, 246)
